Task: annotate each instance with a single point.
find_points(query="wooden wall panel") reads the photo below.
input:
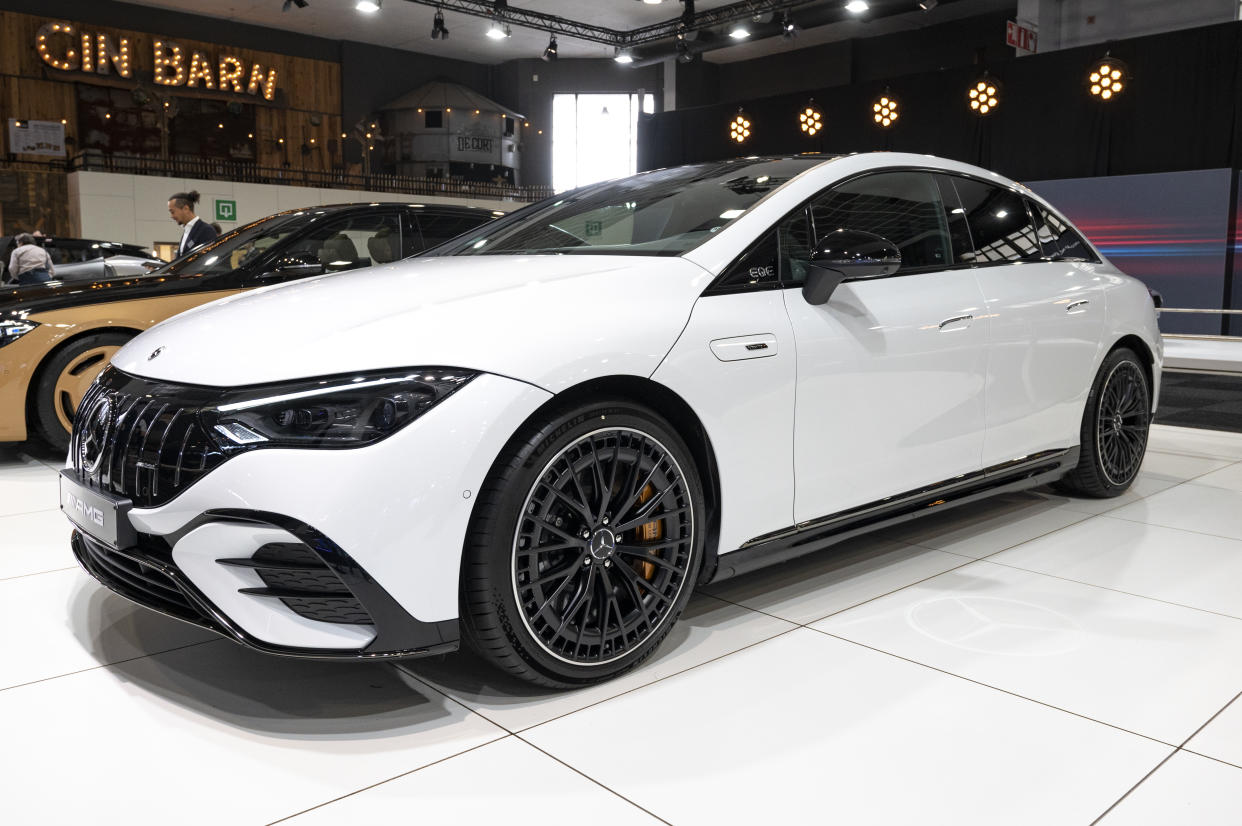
(307, 89)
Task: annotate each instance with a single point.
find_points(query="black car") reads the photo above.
(54, 339)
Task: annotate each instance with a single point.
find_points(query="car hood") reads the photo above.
(551, 320)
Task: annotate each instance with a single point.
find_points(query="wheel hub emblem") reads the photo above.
(603, 543)
(96, 428)
(1116, 422)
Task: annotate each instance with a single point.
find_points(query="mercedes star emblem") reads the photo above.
(155, 353)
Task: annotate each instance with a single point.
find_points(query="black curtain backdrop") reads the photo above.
(1181, 111)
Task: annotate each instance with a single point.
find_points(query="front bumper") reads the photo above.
(325, 553)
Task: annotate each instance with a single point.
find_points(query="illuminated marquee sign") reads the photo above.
(63, 46)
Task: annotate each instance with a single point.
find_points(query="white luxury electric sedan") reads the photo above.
(541, 437)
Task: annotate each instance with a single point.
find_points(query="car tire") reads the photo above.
(1115, 424)
(64, 379)
(584, 545)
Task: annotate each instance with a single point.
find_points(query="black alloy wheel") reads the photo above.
(1115, 425)
(603, 546)
(599, 521)
(1122, 423)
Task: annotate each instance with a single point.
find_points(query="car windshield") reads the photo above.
(240, 246)
(665, 212)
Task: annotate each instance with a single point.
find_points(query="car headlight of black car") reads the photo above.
(11, 330)
(331, 412)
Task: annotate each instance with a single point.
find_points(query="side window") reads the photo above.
(1058, 239)
(904, 207)
(1000, 227)
(357, 241)
(758, 266)
(778, 258)
(436, 229)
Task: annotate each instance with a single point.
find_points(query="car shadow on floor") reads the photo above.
(217, 678)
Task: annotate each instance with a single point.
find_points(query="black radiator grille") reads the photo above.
(134, 575)
(142, 440)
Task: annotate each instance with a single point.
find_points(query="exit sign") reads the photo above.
(226, 210)
(1020, 37)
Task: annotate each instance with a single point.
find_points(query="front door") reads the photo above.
(890, 371)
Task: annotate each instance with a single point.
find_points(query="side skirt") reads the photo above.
(808, 537)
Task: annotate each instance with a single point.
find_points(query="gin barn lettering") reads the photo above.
(71, 49)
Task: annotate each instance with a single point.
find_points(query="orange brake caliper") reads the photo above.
(648, 532)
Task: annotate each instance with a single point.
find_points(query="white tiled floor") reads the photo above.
(1029, 659)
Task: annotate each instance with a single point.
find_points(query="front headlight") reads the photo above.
(11, 331)
(330, 412)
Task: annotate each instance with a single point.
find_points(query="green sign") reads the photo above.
(226, 210)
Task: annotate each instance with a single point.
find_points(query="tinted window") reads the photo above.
(1057, 238)
(758, 266)
(666, 212)
(1000, 227)
(436, 229)
(904, 207)
(356, 241)
(955, 216)
(238, 248)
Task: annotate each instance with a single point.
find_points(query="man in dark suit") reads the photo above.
(196, 231)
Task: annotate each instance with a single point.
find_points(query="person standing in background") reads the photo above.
(196, 231)
(30, 263)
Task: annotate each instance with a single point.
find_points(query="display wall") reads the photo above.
(1171, 230)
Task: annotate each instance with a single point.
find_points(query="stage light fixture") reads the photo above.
(684, 55)
(810, 120)
(1107, 78)
(984, 96)
(884, 110)
(856, 6)
(301, 4)
(928, 5)
(438, 30)
(368, 6)
(499, 29)
(739, 128)
(549, 54)
(789, 29)
(623, 56)
(739, 32)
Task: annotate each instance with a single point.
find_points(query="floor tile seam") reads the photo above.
(1115, 590)
(632, 689)
(1199, 455)
(1133, 788)
(38, 573)
(386, 780)
(109, 665)
(969, 560)
(583, 774)
(1210, 720)
(1170, 527)
(405, 669)
(991, 687)
(1214, 759)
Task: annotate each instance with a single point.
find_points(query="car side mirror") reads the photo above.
(294, 265)
(847, 254)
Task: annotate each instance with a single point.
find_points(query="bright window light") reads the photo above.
(595, 137)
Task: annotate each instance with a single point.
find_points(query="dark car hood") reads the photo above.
(28, 300)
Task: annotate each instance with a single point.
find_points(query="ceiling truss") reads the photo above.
(554, 24)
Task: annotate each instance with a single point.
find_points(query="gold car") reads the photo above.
(55, 338)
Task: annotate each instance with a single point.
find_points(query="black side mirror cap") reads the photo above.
(848, 253)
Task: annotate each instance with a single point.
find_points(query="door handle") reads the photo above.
(737, 348)
(961, 322)
(1078, 306)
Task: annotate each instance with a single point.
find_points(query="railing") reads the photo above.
(182, 166)
(1200, 336)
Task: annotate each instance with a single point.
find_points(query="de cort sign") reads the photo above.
(71, 48)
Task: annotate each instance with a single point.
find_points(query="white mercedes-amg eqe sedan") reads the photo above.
(541, 437)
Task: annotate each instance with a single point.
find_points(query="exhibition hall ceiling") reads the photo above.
(400, 24)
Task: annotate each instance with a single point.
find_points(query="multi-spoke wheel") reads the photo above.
(584, 547)
(1114, 428)
(65, 379)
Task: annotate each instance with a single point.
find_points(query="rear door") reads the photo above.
(1046, 307)
(890, 392)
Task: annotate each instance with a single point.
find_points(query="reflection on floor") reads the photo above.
(1030, 659)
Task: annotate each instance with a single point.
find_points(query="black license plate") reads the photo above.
(104, 517)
